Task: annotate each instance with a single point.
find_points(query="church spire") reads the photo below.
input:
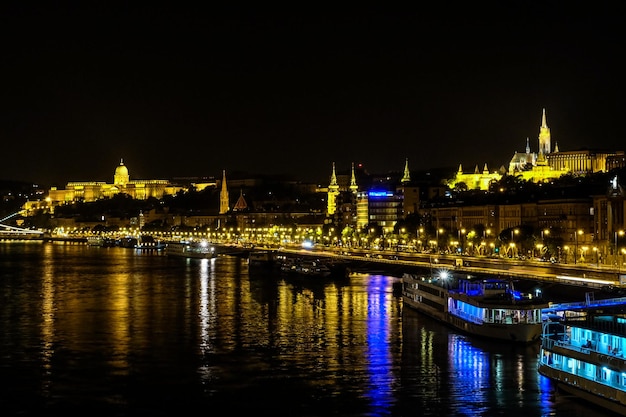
(527, 146)
(544, 137)
(224, 195)
(407, 174)
(333, 178)
(333, 192)
(353, 187)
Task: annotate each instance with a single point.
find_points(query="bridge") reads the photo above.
(13, 232)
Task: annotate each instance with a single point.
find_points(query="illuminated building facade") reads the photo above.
(381, 204)
(383, 200)
(384, 207)
(477, 180)
(87, 191)
(543, 165)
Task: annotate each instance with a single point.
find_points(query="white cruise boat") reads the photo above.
(582, 350)
(489, 308)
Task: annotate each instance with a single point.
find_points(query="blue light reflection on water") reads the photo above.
(378, 339)
(470, 369)
(153, 335)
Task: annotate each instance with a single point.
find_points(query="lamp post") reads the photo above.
(578, 232)
(544, 248)
(418, 240)
(486, 234)
(621, 233)
(512, 243)
(461, 232)
(438, 231)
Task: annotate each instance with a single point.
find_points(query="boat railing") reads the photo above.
(585, 304)
(595, 355)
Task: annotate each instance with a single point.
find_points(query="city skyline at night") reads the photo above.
(183, 91)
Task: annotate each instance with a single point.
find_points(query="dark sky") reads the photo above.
(183, 90)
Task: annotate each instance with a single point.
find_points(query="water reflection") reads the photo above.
(379, 338)
(130, 333)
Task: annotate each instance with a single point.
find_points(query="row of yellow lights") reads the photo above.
(282, 231)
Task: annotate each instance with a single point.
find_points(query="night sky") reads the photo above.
(183, 90)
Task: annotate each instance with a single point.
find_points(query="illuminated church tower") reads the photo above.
(224, 195)
(407, 174)
(544, 140)
(353, 186)
(333, 192)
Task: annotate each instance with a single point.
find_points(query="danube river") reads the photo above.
(117, 332)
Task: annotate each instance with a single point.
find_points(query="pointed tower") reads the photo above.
(224, 195)
(527, 146)
(485, 169)
(407, 174)
(353, 187)
(544, 136)
(333, 192)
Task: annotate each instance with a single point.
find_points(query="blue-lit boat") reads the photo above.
(582, 350)
(489, 308)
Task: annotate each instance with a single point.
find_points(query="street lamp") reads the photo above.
(461, 232)
(512, 243)
(621, 233)
(578, 232)
(438, 231)
(419, 237)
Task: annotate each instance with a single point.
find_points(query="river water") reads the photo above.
(116, 332)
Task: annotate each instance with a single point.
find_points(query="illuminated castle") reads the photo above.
(87, 191)
(543, 165)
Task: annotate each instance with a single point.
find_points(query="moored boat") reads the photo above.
(489, 308)
(262, 258)
(147, 242)
(312, 267)
(582, 351)
(190, 249)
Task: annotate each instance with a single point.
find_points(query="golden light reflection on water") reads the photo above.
(99, 316)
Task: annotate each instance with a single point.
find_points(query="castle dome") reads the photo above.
(121, 170)
(121, 176)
